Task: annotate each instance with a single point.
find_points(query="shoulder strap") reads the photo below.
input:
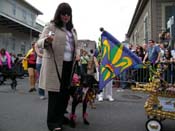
(58, 74)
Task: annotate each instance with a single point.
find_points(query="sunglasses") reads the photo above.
(65, 13)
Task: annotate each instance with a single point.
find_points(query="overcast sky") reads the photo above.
(89, 15)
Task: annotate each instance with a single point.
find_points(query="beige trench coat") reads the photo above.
(48, 76)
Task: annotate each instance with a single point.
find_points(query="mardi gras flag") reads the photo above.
(115, 58)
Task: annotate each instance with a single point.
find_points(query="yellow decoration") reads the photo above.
(152, 106)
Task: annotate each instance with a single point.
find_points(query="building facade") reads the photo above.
(87, 45)
(18, 26)
(149, 19)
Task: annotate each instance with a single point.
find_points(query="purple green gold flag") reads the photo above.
(115, 59)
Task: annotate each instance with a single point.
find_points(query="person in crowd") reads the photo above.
(97, 57)
(139, 52)
(84, 62)
(145, 47)
(121, 79)
(59, 55)
(91, 63)
(173, 63)
(13, 58)
(131, 48)
(39, 52)
(107, 91)
(145, 71)
(91, 70)
(167, 61)
(173, 52)
(30, 58)
(139, 72)
(77, 67)
(5, 62)
(153, 53)
(162, 51)
(5, 59)
(20, 69)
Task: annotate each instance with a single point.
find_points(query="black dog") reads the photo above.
(8, 73)
(83, 93)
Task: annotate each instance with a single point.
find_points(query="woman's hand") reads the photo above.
(49, 38)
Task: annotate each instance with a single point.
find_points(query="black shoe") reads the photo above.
(13, 84)
(32, 89)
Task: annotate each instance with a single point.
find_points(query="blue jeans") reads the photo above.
(41, 91)
(123, 79)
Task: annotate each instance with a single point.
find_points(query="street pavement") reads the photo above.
(24, 111)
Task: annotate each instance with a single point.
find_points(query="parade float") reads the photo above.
(160, 104)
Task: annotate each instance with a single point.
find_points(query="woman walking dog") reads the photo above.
(59, 40)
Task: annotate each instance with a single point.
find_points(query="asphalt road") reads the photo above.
(23, 111)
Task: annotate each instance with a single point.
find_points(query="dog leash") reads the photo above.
(58, 74)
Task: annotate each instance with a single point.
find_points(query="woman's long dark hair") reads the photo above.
(61, 9)
(2, 51)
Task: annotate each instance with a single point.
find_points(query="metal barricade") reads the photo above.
(143, 75)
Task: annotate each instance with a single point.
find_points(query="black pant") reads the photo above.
(57, 104)
(58, 101)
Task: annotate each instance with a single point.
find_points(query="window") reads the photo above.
(169, 12)
(32, 19)
(14, 9)
(24, 14)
